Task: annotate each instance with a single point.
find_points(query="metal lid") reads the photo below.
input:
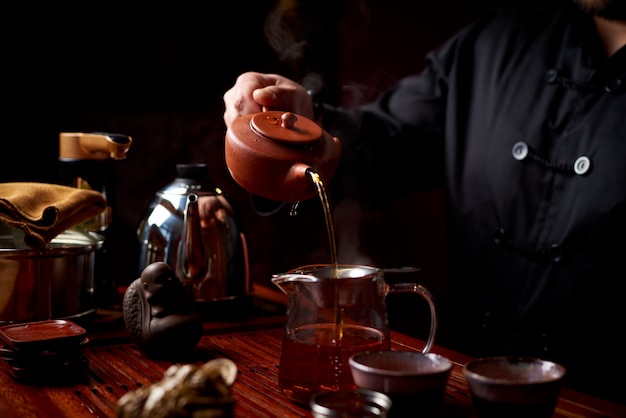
(69, 241)
(190, 178)
(350, 403)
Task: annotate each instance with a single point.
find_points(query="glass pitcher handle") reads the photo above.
(426, 294)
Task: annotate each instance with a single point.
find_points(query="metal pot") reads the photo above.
(191, 226)
(51, 283)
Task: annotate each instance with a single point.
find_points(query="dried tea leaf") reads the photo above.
(184, 391)
(225, 367)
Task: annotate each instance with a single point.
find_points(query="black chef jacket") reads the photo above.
(523, 120)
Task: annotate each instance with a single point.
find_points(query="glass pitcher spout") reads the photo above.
(286, 282)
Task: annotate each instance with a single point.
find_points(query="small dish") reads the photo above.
(51, 335)
(32, 359)
(67, 370)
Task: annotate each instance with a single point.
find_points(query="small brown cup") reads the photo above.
(414, 381)
(514, 386)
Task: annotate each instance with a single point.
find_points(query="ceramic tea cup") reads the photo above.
(414, 381)
(514, 386)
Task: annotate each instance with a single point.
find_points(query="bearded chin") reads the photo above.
(607, 9)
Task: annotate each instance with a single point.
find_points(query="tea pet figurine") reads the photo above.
(160, 314)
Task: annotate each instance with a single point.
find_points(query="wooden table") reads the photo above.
(116, 366)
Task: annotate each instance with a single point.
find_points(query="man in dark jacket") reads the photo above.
(522, 118)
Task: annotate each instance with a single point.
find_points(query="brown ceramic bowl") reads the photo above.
(514, 386)
(414, 381)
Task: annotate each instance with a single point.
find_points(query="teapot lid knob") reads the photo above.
(288, 120)
(286, 127)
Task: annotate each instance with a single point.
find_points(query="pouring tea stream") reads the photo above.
(284, 157)
(333, 310)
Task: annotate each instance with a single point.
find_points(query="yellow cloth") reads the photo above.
(45, 210)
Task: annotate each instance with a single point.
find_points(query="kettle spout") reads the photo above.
(192, 261)
(93, 146)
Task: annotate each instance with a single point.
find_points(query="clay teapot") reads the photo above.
(273, 154)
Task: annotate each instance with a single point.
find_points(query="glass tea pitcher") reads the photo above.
(334, 311)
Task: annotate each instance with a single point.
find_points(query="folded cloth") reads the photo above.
(44, 210)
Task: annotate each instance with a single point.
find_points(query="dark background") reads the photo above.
(158, 74)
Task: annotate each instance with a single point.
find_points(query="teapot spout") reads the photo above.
(192, 261)
(298, 183)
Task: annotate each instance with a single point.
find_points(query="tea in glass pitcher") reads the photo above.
(334, 311)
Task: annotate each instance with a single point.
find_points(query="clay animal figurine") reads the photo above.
(160, 314)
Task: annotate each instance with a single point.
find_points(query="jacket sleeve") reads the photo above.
(395, 145)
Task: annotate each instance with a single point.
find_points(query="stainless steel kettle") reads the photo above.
(191, 226)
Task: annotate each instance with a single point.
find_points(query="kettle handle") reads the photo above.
(192, 260)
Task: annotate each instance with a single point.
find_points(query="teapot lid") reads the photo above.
(286, 127)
